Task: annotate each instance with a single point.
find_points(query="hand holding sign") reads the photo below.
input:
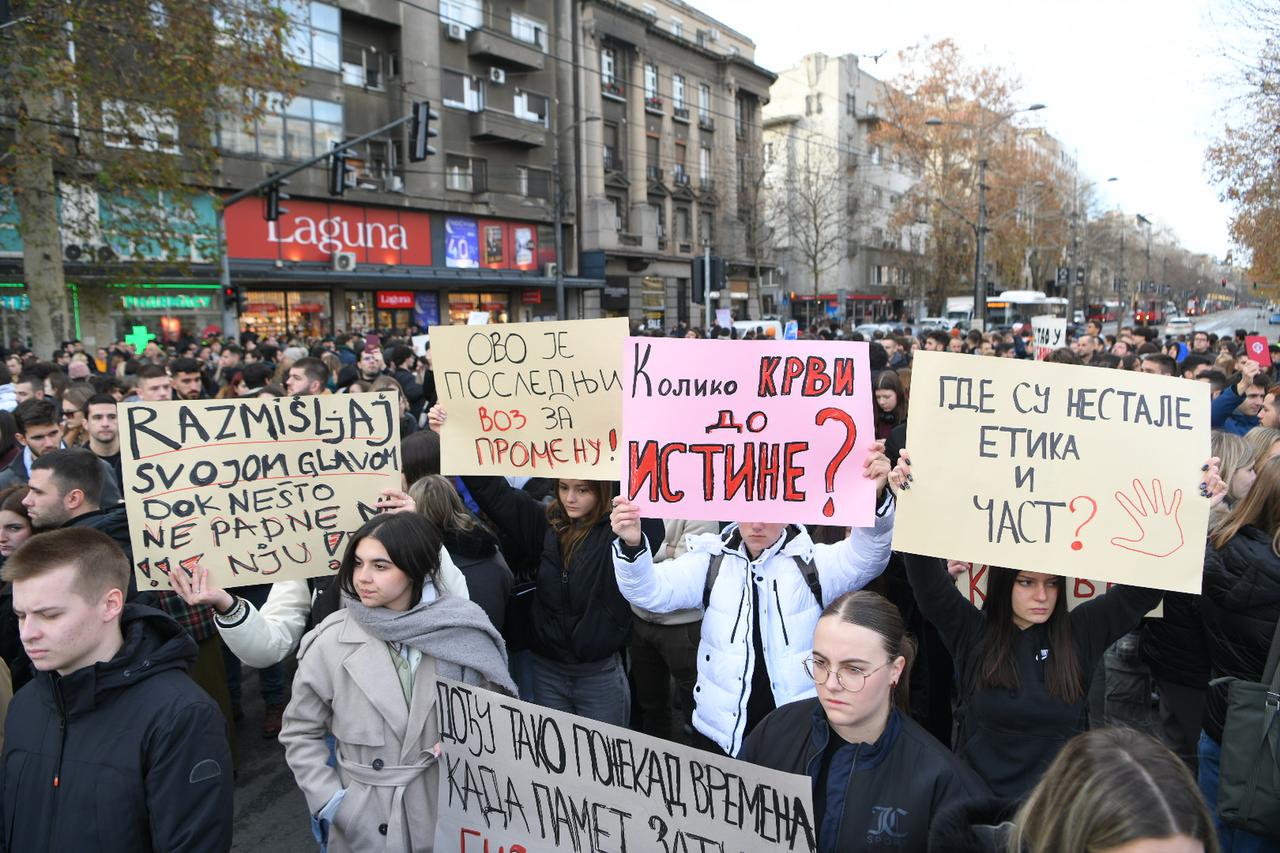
(196, 590)
(1258, 349)
(625, 520)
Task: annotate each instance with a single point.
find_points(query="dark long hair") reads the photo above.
(874, 612)
(571, 532)
(998, 668)
(888, 380)
(412, 543)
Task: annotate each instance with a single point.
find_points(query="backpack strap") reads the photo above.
(713, 571)
(808, 569)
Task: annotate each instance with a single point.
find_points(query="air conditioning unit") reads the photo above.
(456, 32)
(395, 184)
(549, 270)
(497, 76)
(344, 261)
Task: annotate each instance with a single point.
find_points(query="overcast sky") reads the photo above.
(1131, 85)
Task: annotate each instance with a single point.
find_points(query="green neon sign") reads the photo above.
(167, 302)
(14, 303)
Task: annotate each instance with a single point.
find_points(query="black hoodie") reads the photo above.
(127, 755)
(475, 553)
(977, 826)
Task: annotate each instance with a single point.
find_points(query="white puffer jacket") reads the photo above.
(726, 655)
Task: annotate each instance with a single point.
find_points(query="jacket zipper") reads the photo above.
(57, 770)
(746, 669)
(781, 621)
(844, 805)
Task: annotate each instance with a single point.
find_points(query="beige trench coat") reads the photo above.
(347, 684)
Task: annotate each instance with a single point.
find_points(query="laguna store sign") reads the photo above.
(314, 231)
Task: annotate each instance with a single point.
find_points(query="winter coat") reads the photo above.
(8, 400)
(264, 637)
(17, 474)
(678, 534)
(1223, 414)
(1174, 646)
(475, 553)
(976, 826)
(578, 614)
(413, 392)
(878, 795)
(129, 754)
(1010, 738)
(726, 653)
(346, 684)
(1240, 603)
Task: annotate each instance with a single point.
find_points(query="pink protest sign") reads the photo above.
(1258, 349)
(748, 430)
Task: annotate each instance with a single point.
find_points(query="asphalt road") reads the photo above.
(1250, 319)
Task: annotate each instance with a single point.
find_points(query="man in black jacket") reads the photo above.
(111, 746)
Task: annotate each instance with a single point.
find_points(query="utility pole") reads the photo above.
(1126, 303)
(979, 283)
(706, 284)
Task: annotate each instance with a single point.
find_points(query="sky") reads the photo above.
(1134, 86)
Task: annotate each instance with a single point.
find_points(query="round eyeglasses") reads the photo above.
(847, 677)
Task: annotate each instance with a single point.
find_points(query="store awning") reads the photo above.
(425, 277)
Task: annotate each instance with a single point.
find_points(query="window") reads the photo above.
(463, 91)
(877, 154)
(850, 104)
(315, 37)
(877, 196)
(529, 30)
(469, 13)
(704, 102)
(877, 236)
(464, 174)
(740, 115)
(704, 163)
(652, 155)
(706, 233)
(612, 154)
(650, 80)
(607, 65)
(659, 216)
(531, 107)
(534, 183)
(301, 128)
(768, 153)
(677, 91)
(651, 10)
(619, 213)
(683, 225)
(894, 198)
(133, 125)
(361, 66)
(677, 28)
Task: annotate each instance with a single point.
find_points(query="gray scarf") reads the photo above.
(452, 630)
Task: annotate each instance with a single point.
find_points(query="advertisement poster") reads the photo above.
(495, 244)
(461, 243)
(525, 246)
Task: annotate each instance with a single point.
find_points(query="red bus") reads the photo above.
(1149, 312)
(1102, 312)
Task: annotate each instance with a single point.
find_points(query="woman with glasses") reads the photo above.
(878, 777)
(74, 430)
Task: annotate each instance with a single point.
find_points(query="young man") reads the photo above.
(39, 432)
(1236, 409)
(29, 385)
(153, 384)
(306, 376)
(103, 424)
(187, 379)
(111, 747)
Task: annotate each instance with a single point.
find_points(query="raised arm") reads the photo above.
(674, 584)
(514, 510)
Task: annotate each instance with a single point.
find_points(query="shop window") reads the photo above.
(276, 312)
(463, 305)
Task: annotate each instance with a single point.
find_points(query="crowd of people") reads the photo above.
(924, 722)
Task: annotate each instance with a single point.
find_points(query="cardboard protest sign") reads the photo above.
(1259, 350)
(1050, 333)
(420, 344)
(1057, 468)
(973, 584)
(256, 491)
(748, 430)
(535, 399)
(520, 777)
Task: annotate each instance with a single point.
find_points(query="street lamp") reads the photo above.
(559, 211)
(980, 228)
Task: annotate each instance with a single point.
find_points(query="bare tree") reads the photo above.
(810, 207)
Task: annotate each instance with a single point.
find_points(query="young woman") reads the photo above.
(367, 674)
(471, 545)
(580, 620)
(878, 777)
(1240, 604)
(891, 403)
(1111, 790)
(1024, 662)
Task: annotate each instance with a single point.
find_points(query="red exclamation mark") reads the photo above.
(613, 442)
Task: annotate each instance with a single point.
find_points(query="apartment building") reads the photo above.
(665, 136)
(868, 250)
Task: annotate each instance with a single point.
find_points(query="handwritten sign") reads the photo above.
(519, 777)
(534, 399)
(748, 430)
(972, 582)
(256, 491)
(1057, 468)
(1258, 350)
(1050, 333)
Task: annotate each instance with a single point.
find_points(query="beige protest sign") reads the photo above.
(520, 777)
(1057, 468)
(532, 399)
(254, 490)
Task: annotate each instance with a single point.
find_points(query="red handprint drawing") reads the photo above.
(1159, 530)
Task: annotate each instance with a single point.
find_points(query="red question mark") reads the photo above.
(850, 436)
(1077, 544)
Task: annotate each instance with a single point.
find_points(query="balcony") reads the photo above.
(494, 126)
(654, 173)
(681, 177)
(707, 185)
(501, 48)
(680, 114)
(706, 123)
(653, 104)
(630, 240)
(613, 89)
(612, 162)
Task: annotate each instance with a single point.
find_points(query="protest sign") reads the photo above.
(791, 331)
(748, 430)
(534, 399)
(724, 318)
(1050, 333)
(972, 583)
(256, 491)
(420, 344)
(521, 777)
(1259, 350)
(1057, 468)
(478, 318)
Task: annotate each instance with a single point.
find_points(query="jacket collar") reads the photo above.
(867, 756)
(794, 542)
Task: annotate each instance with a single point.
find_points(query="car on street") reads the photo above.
(1179, 326)
(1275, 318)
(869, 330)
(929, 324)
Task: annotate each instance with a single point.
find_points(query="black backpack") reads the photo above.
(807, 568)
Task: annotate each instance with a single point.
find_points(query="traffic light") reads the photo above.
(697, 281)
(230, 298)
(338, 172)
(421, 131)
(271, 200)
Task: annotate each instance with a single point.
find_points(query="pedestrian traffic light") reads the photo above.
(421, 131)
(339, 171)
(272, 198)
